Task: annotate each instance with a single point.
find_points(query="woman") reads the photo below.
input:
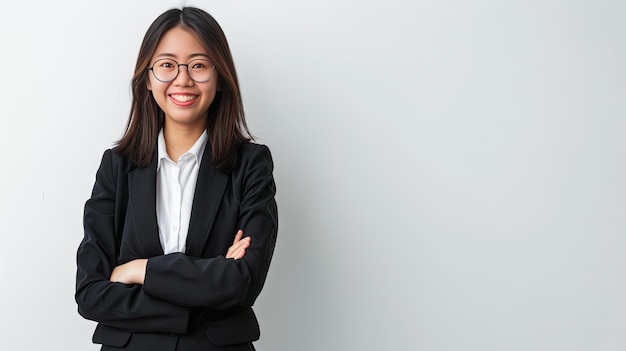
(164, 264)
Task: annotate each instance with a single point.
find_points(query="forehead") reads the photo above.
(179, 43)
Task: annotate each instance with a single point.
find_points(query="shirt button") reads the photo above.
(174, 228)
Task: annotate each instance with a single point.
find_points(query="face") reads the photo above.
(184, 101)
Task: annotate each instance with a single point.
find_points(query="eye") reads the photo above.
(165, 64)
(199, 65)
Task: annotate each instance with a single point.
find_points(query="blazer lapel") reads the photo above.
(142, 202)
(206, 201)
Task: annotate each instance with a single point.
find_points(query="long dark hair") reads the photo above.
(226, 123)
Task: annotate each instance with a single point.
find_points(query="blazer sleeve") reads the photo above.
(123, 306)
(217, 282)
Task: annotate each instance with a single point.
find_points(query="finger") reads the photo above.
(239, 250)
(231, 252)
(240, 254)
(233, 249)
(238, 236)
(243, 243)
(233, 255)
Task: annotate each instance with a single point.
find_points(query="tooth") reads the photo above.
(183, 98)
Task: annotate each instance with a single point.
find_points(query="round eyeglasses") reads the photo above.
(166, 70)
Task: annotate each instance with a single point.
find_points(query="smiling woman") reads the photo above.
(164, 264)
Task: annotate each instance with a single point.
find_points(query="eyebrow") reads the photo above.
(167, 54)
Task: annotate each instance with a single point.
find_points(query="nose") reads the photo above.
(183, 77)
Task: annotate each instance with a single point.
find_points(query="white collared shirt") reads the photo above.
(176, 184)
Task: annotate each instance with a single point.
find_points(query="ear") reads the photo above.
(148, 84)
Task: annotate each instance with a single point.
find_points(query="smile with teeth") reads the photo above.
(183, 98)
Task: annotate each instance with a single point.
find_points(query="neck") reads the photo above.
(179, 139)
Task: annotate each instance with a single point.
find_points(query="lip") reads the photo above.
(187, 99)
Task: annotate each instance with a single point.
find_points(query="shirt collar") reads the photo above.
(197, 150)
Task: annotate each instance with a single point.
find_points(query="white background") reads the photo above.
(451, 174)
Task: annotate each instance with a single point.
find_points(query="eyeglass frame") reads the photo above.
(178, 70)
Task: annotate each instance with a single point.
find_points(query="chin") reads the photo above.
(185, 120)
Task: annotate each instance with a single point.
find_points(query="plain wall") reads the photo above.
(451, 174)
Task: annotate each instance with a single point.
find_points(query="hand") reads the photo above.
(133, 272)
(238, 249)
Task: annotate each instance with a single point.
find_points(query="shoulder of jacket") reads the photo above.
(249, 149)
(118, 162)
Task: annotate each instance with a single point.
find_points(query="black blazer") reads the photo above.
(199, 292)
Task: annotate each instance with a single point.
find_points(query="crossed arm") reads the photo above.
(134, 272)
